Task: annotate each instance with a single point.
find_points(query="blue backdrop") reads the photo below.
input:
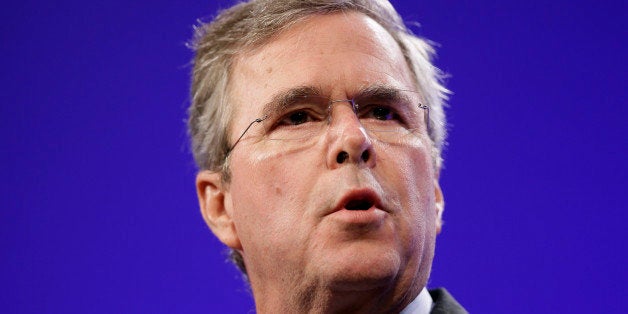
(98, 209)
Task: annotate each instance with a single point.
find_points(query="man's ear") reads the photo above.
(216, 207)
(439, 203)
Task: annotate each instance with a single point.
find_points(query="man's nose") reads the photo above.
(349, 142)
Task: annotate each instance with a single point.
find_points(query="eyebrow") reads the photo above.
(383, 92)
(285, 98)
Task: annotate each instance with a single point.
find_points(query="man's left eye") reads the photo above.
(383, 113)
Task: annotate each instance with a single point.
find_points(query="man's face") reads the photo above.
(286, 209)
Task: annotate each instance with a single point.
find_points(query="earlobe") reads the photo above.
(215, 203)
(439, 203)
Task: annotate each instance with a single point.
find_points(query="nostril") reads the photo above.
(342, 156)
(366, 155)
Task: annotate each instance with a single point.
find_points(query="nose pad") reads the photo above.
(352, 104)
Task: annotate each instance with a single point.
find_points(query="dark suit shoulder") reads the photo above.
(444, 303)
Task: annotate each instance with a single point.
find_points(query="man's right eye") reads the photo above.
(296, 118)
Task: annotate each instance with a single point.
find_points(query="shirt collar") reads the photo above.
(422, 304)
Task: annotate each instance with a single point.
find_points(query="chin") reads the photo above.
(363, 270)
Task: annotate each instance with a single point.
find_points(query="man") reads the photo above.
(317, 126)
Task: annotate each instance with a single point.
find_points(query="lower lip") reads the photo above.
(359, 217)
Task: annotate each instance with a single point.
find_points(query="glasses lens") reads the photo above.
(303, 120)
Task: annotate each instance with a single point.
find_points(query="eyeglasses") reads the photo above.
(298, 119)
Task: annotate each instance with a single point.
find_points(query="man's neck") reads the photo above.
(328, 301)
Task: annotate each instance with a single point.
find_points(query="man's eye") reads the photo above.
(383, 113)
(296, 118)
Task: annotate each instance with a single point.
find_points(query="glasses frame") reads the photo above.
(354, 106)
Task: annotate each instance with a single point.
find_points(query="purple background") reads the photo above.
(98, 212)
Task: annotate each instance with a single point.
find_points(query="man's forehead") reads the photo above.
(338, 54)
(310, 42)
(320, 32)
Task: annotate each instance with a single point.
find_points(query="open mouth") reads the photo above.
(359, 204)
(359, 200)
(360, 207)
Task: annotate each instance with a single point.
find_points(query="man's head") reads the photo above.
(336, 190)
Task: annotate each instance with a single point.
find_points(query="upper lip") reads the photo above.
(362, 194)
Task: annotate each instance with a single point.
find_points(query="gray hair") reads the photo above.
(249, 25)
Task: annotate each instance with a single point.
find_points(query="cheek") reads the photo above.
(265, 192)
(266, 171)
(268, 197)
(255, 186)
(421, 200)
(413, 176)
(420, 173)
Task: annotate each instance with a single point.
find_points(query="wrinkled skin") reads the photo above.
(282, 208)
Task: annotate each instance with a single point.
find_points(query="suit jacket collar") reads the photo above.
(444, 303)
